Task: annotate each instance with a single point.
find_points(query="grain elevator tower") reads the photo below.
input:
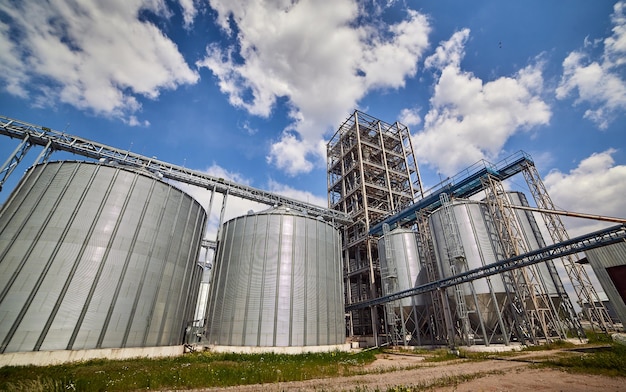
(372, 171)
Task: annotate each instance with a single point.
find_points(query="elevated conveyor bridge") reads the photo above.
(53, 140)
(463, 185)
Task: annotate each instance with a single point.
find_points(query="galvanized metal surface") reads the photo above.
(607, 259)
(96, 256)
(404, 270)
(277, 282)
(484, 297)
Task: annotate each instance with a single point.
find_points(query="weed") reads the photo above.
(608, 361)
(194, 370)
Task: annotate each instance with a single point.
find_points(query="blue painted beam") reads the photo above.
(463, 185)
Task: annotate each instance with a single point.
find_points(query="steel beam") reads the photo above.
(582, 243)
(42, 136)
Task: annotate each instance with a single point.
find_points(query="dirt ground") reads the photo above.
(497, 375)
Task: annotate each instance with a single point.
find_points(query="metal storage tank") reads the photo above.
(400, 269)
(534, 240)
(277, 282)
(404, 267)
(97, 256)
(479, 250)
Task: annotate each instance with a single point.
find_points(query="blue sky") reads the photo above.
(252, 90)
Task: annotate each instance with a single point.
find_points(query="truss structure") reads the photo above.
(52, 140)
(585, 292)
(372, 171)
(528, 298)
(600, 238)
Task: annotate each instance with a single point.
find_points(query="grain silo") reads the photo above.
(277, 283)
(533, 238)
(484, 298)
(400, 269)
(97, 256)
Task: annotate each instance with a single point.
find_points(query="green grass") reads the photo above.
(198, 370)
(606, 361)
(554, 345)
(194, 370)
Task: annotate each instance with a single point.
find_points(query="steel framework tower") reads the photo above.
(585, 292)
(372, 172)
(534, 317)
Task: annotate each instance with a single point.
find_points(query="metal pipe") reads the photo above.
(572, 214)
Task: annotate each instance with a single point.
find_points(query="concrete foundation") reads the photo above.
(44, 358)
(280, 350)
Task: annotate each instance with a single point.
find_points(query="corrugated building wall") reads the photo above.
(609, 265)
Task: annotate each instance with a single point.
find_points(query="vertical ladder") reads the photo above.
(427, 255)
(389, 278)
(456, 254)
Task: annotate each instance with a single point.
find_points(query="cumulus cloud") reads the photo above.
(410, 117)
(470, 119)
(604, 185)
(290, 192)
(315, 55)
(234, 206)
(189, 11)
(599, 84)
(92, 55)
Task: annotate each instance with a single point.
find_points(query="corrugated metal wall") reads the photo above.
(277, 283)
(607, 261)
(95, 256)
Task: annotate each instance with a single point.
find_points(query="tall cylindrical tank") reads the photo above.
(534, 240)
(96, 256)
(479, 247)
(400, 269)
(277, 282)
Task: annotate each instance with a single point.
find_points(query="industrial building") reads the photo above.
(609, 265)
(373, 177)
(108, 254)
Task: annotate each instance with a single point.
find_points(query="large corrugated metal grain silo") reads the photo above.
(277, 283)
(96, 256)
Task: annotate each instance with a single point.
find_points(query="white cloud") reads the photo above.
(410, 117)
(602, 184)
(615, 45)
(236, 206)
(189, 12)
(599, 84)
(297, 194)
(289, 153)
(92, 55)
(313, 54)
(470, 119)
